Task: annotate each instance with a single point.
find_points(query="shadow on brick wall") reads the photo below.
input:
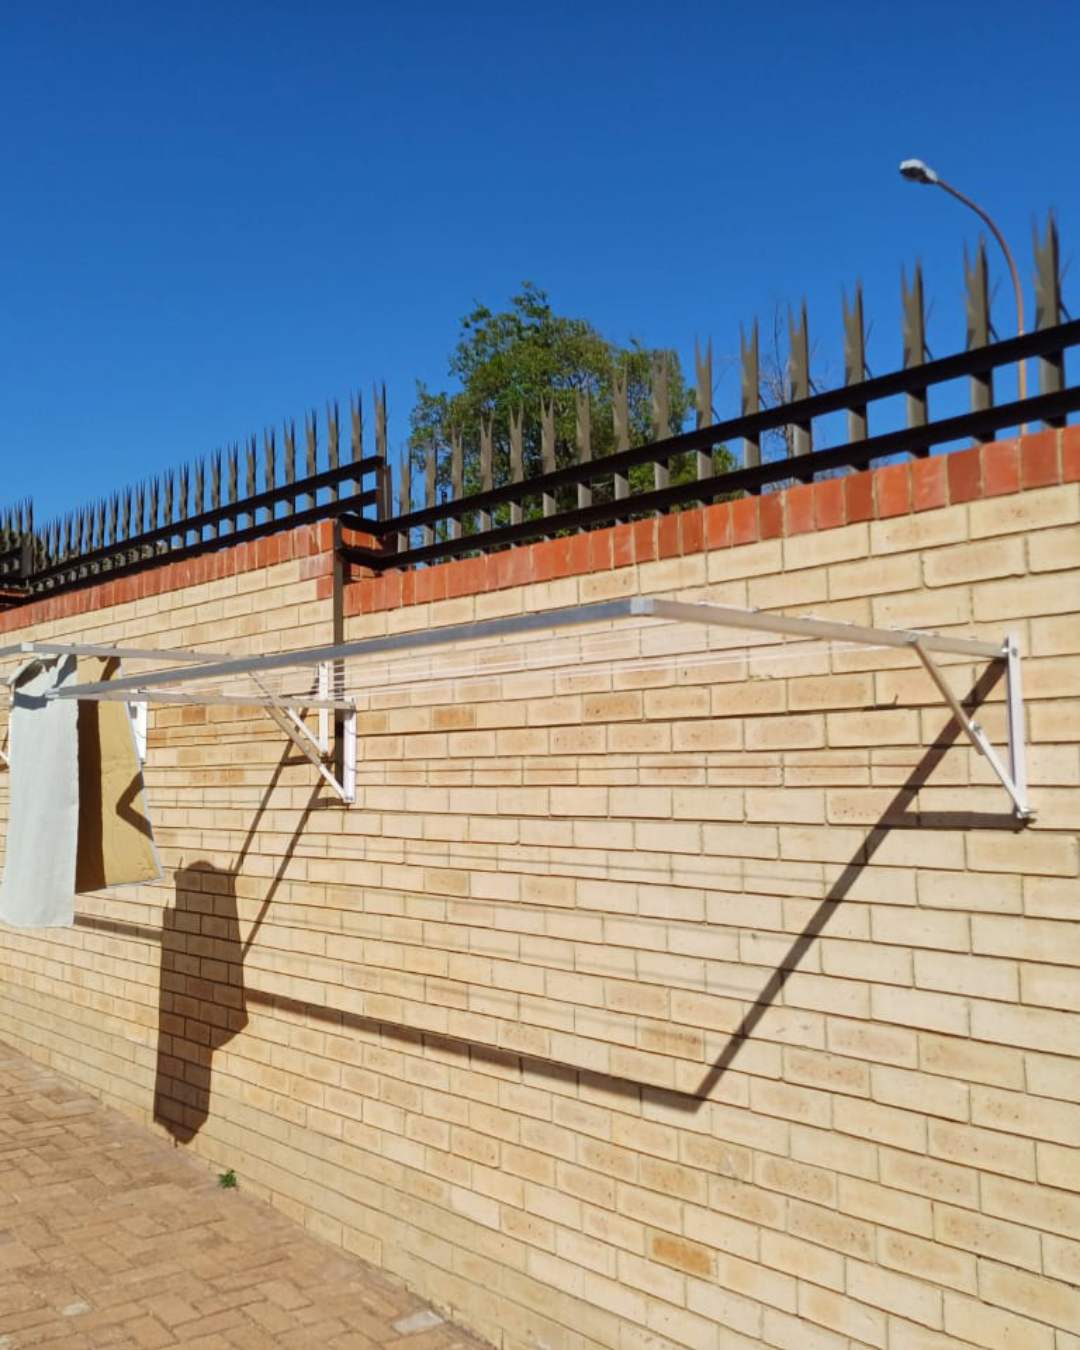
(201, 1004)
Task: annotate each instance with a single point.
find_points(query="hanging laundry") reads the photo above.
(39, 864)
(116, 839)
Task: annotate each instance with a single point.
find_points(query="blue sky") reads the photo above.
(219, 216)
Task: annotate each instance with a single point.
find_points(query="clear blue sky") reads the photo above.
(219, 215)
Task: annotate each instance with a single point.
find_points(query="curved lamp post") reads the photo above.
(918, 172)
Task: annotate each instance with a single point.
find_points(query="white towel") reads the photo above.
(37, 890)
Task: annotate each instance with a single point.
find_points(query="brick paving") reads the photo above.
(110, 1237)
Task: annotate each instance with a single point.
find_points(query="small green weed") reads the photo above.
(227, 1180)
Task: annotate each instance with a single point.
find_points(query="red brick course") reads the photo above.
(1037, 460)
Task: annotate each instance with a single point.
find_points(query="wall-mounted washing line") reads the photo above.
(285, 712)
(232, 676)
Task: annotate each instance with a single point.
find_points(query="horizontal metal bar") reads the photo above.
(104, 650)
(509, 626)
(134, 694)
(830, 630)
(513, 625)
(855, 455)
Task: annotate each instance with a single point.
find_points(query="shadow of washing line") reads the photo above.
(896, 816)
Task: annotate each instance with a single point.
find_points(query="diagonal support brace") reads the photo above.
(1013, 778)
(297, 732)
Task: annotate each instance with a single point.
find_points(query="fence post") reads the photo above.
(405, 496)
(547, 447)
(855, 360)
(750, 402)
(799, 377)
(517, 460)
(661, 411)
(486, 455)
(703, 370)
(1048, 310)
(914, 312)
(977, 314)
(457, 478)
(430, 469)
(620, 416)
(583, 424)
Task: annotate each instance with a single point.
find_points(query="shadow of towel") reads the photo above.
(202, 1000)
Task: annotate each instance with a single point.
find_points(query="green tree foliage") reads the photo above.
(510, 361)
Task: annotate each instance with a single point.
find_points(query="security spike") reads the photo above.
(270, 460)
(703, 369)
(234, 474)
(140, 508)
(977, 298)
(547, 435)
(155, 501)
(456, 465)
(977, 314)
(457, 476)
(1049, 309)
(333, 435)
(914, 331)
(517, 458)
(620, 417)
(855, 360)
(380, 421)
(215, 479)
(431, 465)
(251, 452)
(311, 439)
(289, 451)
(356, 413)
(125, 515)
(799, 376)
(583, 436)
(487, 454)
(405, 483)
(114, 517)
(547, 448)
(99, 525)
(659, 388)
(200, 486)
(1048, 306)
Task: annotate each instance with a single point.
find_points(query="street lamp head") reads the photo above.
(917, 171)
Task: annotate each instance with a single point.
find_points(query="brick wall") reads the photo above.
(705, 999)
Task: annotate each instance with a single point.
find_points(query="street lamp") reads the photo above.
(917, 172)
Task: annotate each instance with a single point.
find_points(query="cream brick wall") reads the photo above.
(685, 1004)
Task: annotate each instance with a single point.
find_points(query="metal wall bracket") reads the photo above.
(1014, 777)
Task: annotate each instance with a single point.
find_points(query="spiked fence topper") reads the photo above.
(493, 495)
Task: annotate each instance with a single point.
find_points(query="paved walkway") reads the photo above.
(109, 1237)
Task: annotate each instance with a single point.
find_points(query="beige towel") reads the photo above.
(116, 840)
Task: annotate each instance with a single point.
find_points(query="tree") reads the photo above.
(508, 362)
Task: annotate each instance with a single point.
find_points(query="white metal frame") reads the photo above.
(155, 686)
(281, 711)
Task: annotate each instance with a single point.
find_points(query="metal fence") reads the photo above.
(201, 507)
(465, 510)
